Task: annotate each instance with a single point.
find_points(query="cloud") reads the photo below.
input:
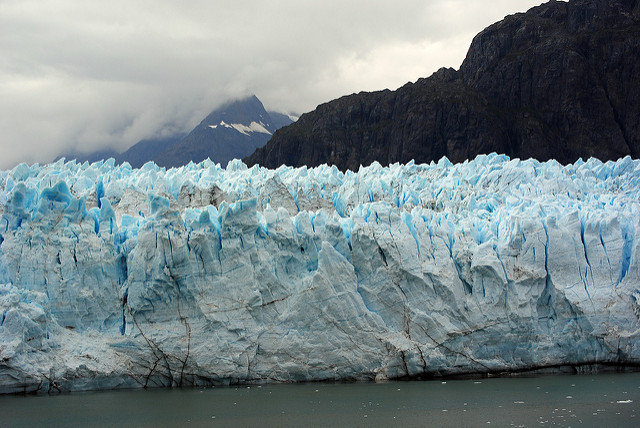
(87, 75)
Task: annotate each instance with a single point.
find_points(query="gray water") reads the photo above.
(582, 400)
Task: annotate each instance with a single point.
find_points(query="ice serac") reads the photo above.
(114, 277)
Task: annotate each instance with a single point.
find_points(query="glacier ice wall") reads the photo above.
(113, 277)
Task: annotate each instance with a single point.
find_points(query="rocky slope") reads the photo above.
(232, 131)
(557, 82)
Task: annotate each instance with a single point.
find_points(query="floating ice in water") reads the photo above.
(118, 277)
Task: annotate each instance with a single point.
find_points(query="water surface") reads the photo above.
(587, 400)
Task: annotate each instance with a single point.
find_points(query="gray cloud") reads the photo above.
(87, 75)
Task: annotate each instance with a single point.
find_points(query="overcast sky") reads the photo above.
(87, 75)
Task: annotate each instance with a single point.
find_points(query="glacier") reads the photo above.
(113, 277)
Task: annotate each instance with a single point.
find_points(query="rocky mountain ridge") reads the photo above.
(557, 82)
(226, 133)
(232, 131)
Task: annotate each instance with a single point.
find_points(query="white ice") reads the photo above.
(118, 277)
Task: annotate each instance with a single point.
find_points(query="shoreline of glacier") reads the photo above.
(120, 278)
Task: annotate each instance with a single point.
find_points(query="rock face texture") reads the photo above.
(557, 82)
(112, 277)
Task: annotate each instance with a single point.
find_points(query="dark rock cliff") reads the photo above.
(561, 81)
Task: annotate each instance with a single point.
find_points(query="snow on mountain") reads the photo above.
(232, 131)
(115, 277)
(244, 129)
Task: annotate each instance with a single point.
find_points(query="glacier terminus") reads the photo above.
(113, 277)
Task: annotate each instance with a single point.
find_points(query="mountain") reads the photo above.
(278, 120)
(232, 131)
(408, 271)
(145, 150)
(557, 82)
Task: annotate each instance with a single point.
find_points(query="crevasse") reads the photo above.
(115, 277)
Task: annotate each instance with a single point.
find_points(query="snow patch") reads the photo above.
(244, 129)
(253, 127)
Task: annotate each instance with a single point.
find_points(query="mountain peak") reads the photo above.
(234, 130)
(242, 111)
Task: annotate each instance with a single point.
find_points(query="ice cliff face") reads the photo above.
(113, 277)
